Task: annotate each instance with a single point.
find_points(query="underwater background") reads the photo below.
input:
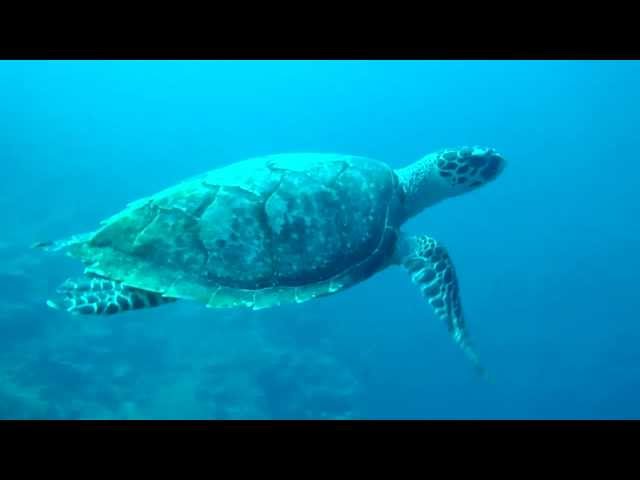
(547, 255)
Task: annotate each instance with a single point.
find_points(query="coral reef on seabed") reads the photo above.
(179, 362)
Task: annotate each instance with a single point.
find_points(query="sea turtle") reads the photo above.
(273, 230)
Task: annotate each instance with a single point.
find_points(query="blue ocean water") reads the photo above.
(546, 255)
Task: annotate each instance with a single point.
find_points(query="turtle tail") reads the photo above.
(100, 296)
(62, 244)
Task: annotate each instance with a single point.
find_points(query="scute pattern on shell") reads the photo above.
(278, 222)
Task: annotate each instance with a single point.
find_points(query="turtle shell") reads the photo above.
(261, 232)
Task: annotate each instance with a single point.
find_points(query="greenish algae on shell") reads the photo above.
(258, 233)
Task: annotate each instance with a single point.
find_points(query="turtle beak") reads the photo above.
(495, 164)
(502, 162)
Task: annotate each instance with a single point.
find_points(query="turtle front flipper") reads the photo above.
(433, 272)
(99, 296)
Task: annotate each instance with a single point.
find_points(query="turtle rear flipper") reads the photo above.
(98, 296)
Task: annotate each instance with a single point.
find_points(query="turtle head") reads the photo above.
(447, 173)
